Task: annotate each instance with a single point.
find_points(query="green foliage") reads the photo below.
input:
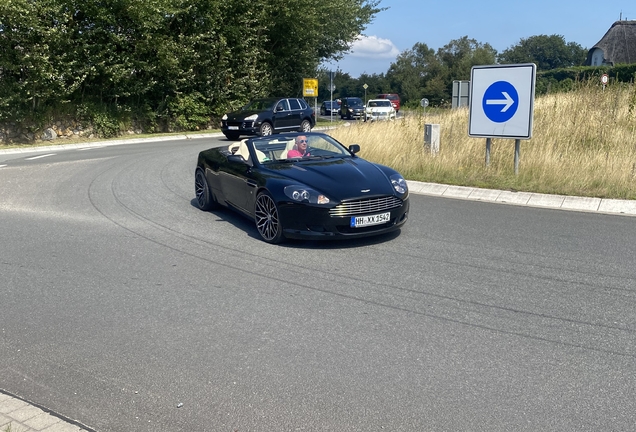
(164, 62)
(547, 52)
(188, 112)
(422, 72)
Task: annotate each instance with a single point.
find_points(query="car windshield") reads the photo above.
(379, 103)
(260, 105)
(355, 102)
(282, 148)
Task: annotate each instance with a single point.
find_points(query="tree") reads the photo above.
(422, 72)
(180, 62)
(460, 55)
(547, 52)
(412, 71)
(301, 34)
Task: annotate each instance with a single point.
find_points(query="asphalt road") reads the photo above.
(120, 300)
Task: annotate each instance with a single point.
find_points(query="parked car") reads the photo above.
(328, 194)
(267, 116)
(351, 107)
(379, 109)
(329, 107)
(395, 100)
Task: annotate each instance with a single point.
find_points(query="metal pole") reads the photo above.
(331, 97)
(488, 142)
(517, 147)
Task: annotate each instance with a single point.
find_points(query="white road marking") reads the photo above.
(41, 156)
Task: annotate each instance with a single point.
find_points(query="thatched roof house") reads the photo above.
(617, 46)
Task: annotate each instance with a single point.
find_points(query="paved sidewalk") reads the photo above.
(529, 199)
(17, 415)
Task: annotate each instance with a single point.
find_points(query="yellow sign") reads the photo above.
(310, 87)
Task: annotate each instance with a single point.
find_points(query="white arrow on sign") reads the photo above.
(507, 102)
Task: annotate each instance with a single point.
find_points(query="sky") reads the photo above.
(501, 23)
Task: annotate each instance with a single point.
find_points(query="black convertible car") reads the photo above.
(328, 192)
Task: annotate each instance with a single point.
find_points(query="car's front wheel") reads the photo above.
(205, 197)
(267, 219)
(305, 126)
(266, 129)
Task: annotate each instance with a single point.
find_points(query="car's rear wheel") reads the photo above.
(267, 219)
(266, 129)
(305, 126)
(232, 136)
(205, 197)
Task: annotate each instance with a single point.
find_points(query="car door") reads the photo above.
(282, 114)
(235, 180)
(296, 111)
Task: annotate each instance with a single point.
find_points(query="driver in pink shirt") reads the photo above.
(300, 149)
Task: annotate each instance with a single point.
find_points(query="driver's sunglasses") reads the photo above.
(302, 141)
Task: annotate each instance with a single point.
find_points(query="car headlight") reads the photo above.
(224, 117)
(399, 184)
(252, 117)
(303, 194)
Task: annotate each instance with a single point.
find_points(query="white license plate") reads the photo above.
(232, 127)
(360, 221)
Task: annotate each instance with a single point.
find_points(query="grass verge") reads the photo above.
(583, 144)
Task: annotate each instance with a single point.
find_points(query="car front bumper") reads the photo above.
(243, 128)
(379, 116)
(307, 222)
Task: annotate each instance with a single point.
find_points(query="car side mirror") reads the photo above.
(279, 108)
(354, 148)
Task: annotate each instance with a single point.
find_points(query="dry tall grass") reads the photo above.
(583, 143)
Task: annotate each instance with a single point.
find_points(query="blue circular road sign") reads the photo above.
(500, 101)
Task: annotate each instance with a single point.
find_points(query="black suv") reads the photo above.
(267, 116)
(351, 107)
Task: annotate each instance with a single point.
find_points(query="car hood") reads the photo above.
(341, 179)
(240, 115)
(380, 109)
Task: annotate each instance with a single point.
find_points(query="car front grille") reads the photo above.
(371, 205)
(241, 124)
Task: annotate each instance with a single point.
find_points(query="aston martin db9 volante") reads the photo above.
(303, 186)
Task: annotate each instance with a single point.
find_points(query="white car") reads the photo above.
(379, 109)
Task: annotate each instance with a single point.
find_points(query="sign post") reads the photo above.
(331, 89)
(604, 80)
(365, 93)
(501, 104)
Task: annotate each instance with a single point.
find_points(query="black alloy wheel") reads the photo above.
(267, 220)
(205, 198)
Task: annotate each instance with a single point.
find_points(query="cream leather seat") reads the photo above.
(244, 151)
(240, 148)
(291, 145)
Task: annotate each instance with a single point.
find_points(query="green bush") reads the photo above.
(188, 112)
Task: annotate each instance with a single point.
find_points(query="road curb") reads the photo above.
(528, 199)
